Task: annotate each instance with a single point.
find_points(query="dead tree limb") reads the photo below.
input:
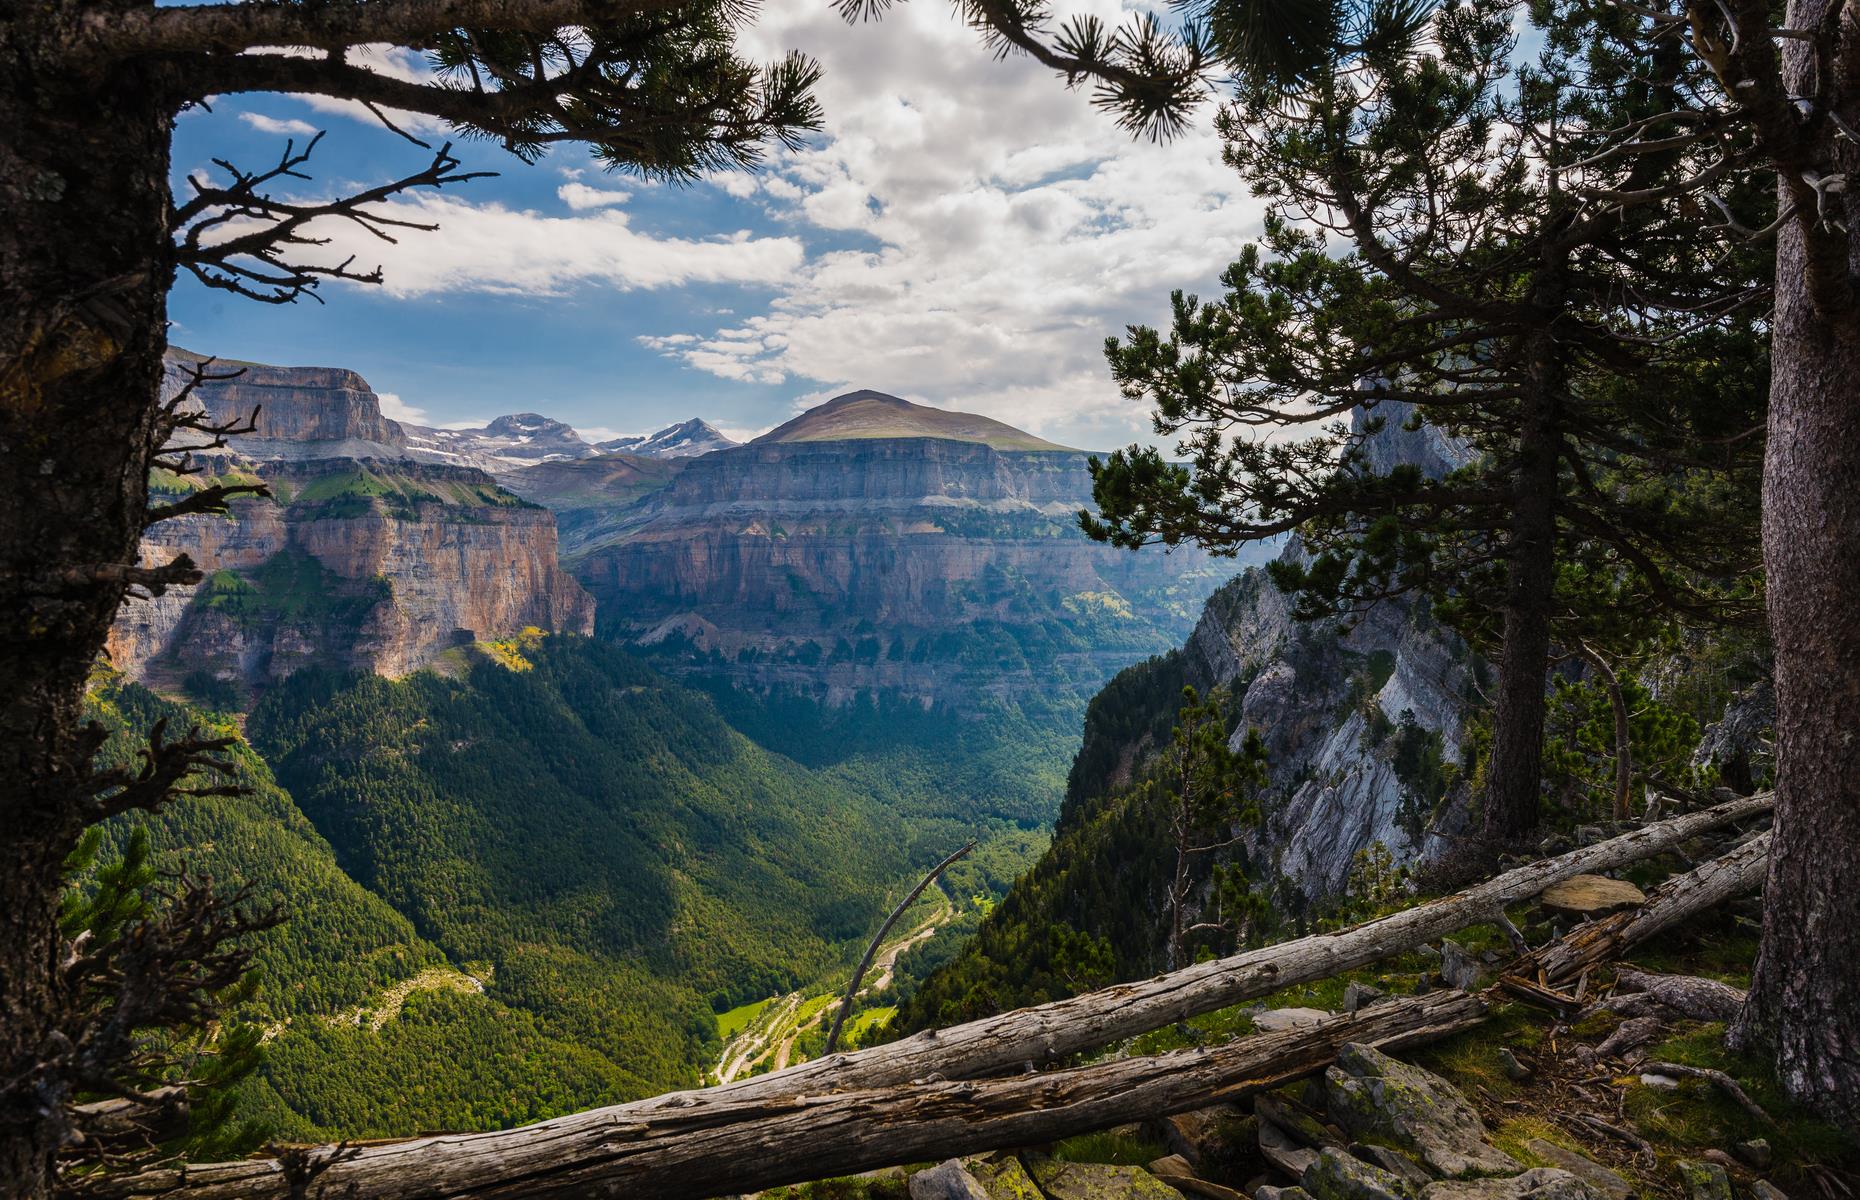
(1711, 883)
(714, 1143)
(805, 1123)
(871, 951)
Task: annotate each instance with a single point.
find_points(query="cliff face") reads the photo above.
(381, 566)
(939, 569)
(303, 412)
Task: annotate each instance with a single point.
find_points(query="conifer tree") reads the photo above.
(1450, 245)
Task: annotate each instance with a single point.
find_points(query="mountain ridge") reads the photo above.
(870, 415)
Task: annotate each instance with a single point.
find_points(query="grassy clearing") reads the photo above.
(741, 1017)
(1120, 1149)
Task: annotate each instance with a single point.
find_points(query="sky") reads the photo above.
(965, 232)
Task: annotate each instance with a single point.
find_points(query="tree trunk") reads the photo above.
(84, 196)
(1805, 993)
(1516, 769)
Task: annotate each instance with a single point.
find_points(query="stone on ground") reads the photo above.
(1360, 996)
(1268, 1192)
(1763, 1189)
(1272, 1020)
(947, 1181)
(1591, 896)
(1339, 1176)
(1514, 1070)
(1284, 1151)
(1541, 1183)
(1704, 1181)
(1378, 1098)
(1756, 1152)
(1586, 1169)
(1203, 1136)
(1459, 968)
(1170, 1164)
(1097, 1181)
(1002, 1177)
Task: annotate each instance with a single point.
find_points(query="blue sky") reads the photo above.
(965, 233)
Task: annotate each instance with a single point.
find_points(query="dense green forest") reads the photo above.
(525, 887)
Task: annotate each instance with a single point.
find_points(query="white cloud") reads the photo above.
(993, 255)
(490, 248)
(581, 197)
(395, 409)
(265, 124)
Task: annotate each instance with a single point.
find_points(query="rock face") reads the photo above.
(375, 565)
(1382, 1099)
(303, 412)
(1358, 724)
(932, 565)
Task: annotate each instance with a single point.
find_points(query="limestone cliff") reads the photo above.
(912, 557)
(302, 412)
(375, 565)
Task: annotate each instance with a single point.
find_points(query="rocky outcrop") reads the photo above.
(302, 412)
(1360, 720)
(381, 566)
(939, 569)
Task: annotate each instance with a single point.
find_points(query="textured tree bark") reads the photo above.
(1515, 773)
(83, 209)
(732, 1139)
(1805, 993)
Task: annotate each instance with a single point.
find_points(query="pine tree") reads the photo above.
(1446, 248)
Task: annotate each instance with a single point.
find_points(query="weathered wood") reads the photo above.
(714, 1142)
(1710, 883)
(733, 1138)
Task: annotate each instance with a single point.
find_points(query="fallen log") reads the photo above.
(1708, 884)
(725, 1139)
(714, 1142)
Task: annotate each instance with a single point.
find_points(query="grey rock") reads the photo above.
(1704, 1180)
(1284, 1151)
(1359, 996)
(1590, 1172)
(1394, 1162)
(1459, 968)
(1756, 1152)
(1272, 1020)
(1542, 1183)
(947, 1181)
(1513, 1069)
(1097, 1181)
(1339, 1176)
(1379, 1098)
(1002, 1176)
(1588, 835)
(1763, 1189)
(1268, 1192)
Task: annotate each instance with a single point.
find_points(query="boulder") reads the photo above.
(1378, 1098)
(1339, 1176)
(1459, 968)
(1097, 1181)
(1607, 1182)
(1392, 1161)
(1755, 1152)
(947, 1181)
(1203, 1136)
(1704, 1180)
(1591, 896)
(1508, 1062)
(1542, 1183)
(1268, 1192)
(1359, 996)
(1763, 1189)
(1002, 1177)
(1283, 1151)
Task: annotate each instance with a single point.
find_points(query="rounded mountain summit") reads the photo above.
(869, 414)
